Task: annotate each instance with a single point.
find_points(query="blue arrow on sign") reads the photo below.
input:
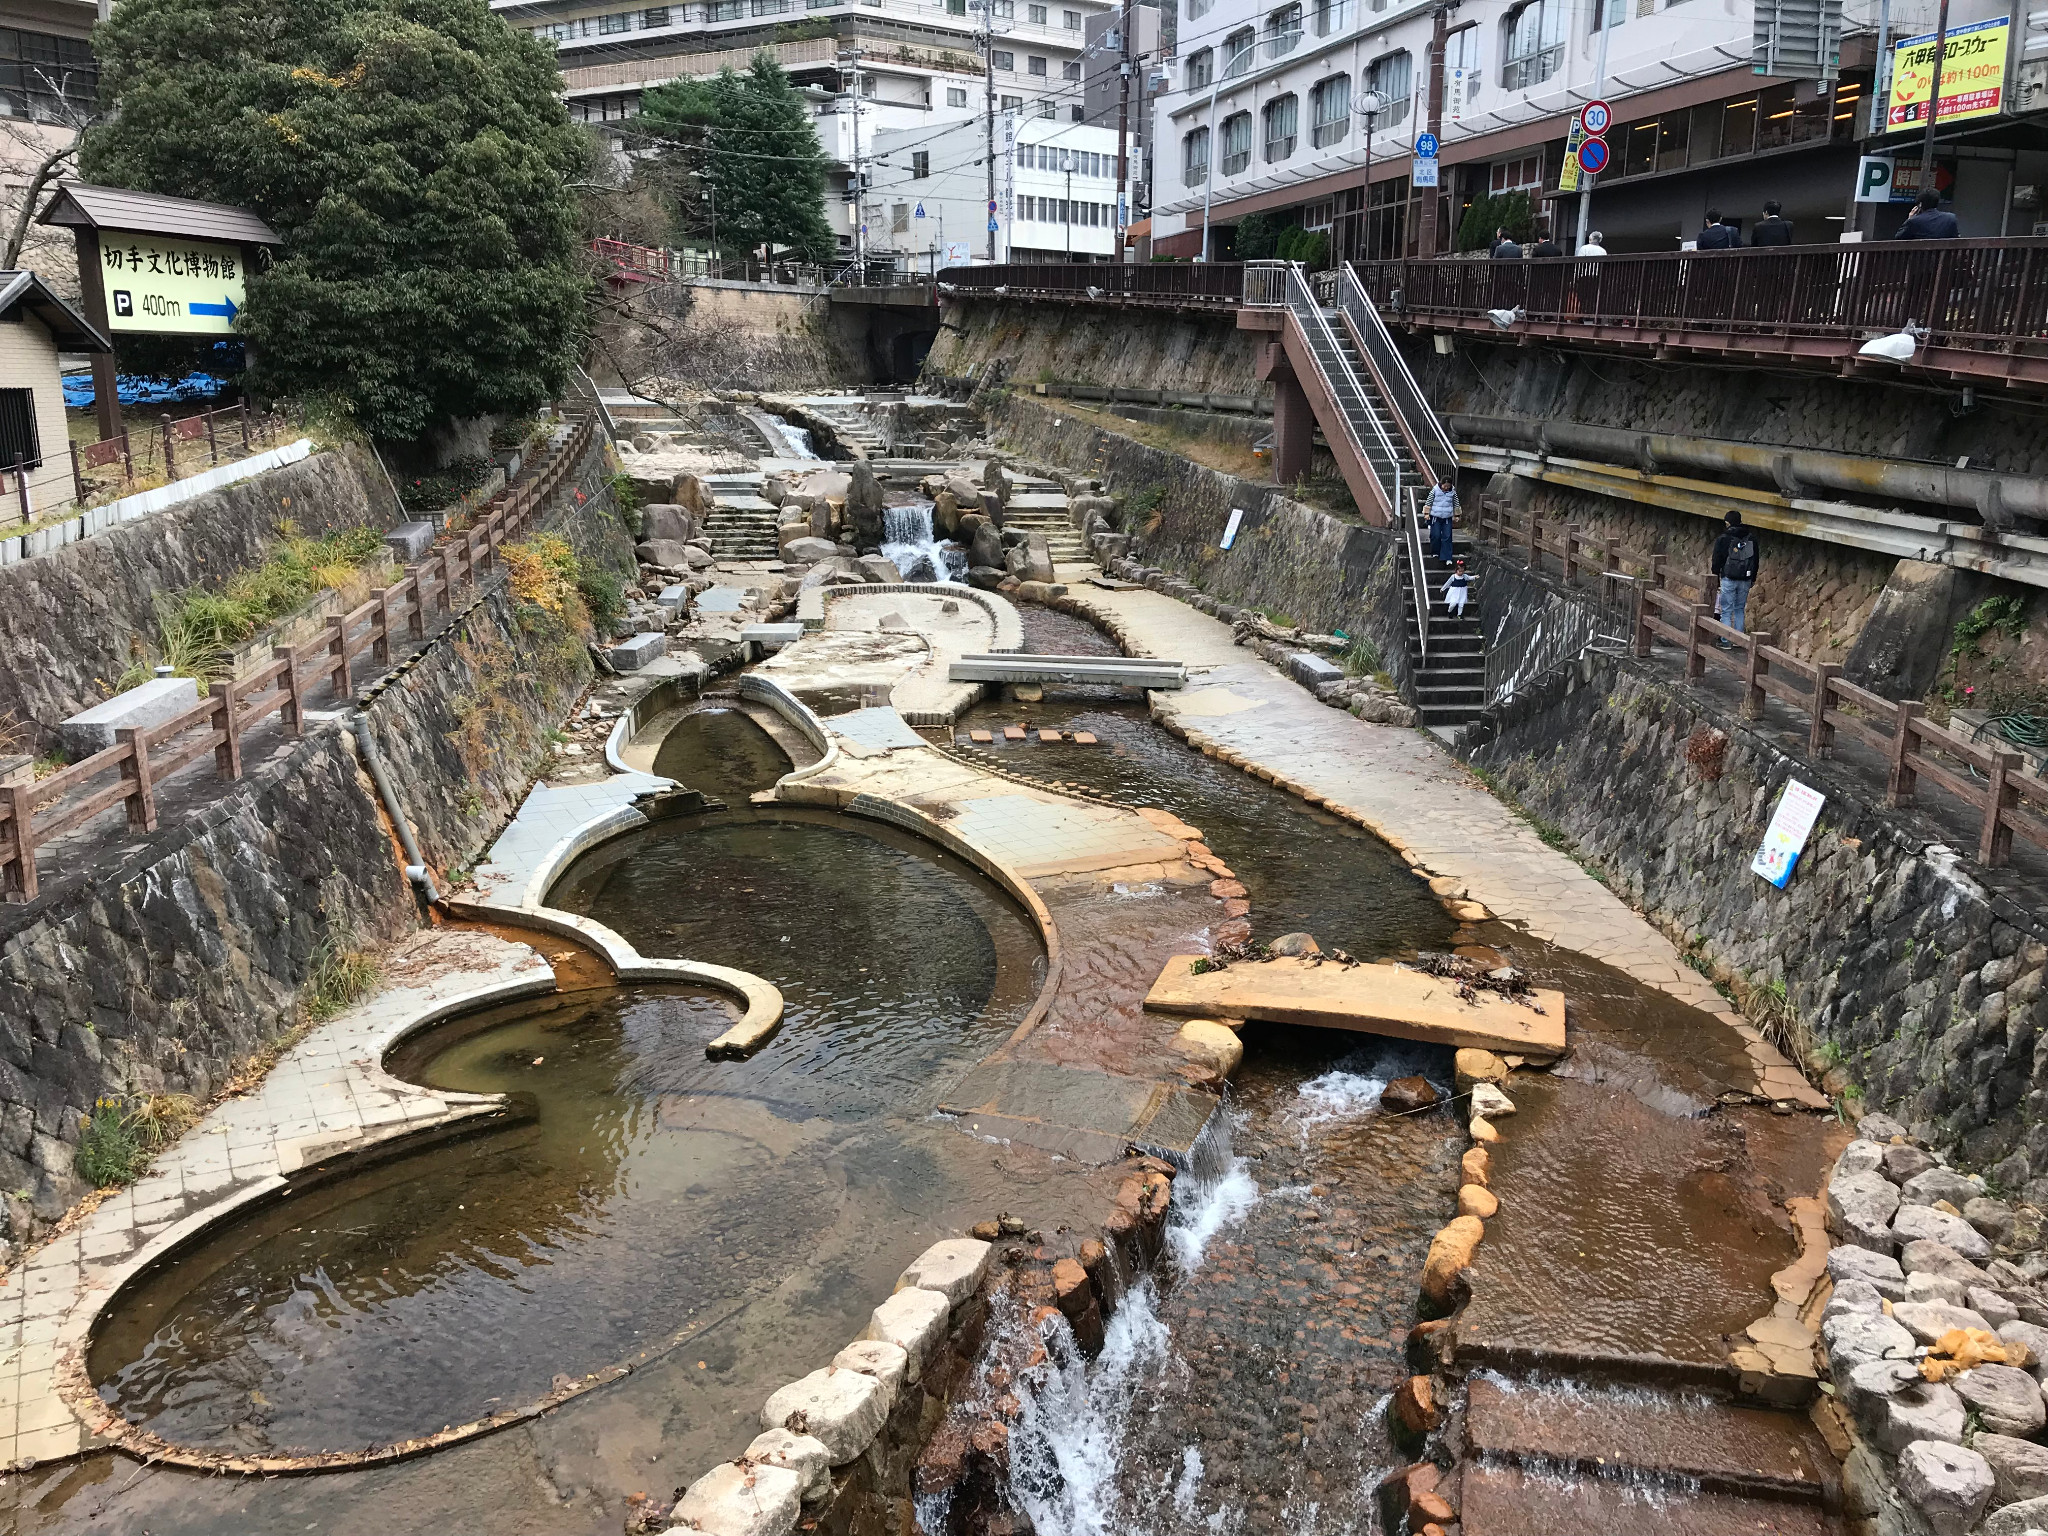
(224, 310)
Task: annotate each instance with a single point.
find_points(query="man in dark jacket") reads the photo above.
(1773, 228)
(1504, 247)
(1716, 236)
(1735, 562)
(1928, 222)
(1545, 246)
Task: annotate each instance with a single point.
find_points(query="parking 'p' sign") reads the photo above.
(1595, 117)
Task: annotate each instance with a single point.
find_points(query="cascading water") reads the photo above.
(908, 544)
(797, 438)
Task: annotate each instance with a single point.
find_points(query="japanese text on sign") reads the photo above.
(163, 284)
(1972, 74)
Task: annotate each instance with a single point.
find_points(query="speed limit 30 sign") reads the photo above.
(1595, 118)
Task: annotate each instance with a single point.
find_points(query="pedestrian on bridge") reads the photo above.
(1773, 228)
(1735, 562)
(1717, 235)
(1443, 513)
(1504, 246)
(1928, 221)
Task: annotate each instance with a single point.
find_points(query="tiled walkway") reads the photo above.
(1406, 788)
(328, 1094)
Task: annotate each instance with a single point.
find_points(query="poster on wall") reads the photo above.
(1972, 75)
(1785, 838)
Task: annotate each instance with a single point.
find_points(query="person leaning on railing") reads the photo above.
(1928, 221)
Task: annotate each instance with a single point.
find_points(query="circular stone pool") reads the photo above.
(641, 1193)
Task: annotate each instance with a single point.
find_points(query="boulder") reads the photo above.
(1880, 1127)
(1993, 1218)
(1478, 1200)
(2035, 1338)
(1990, 1306)
(887, 1363)
(1450, 1252)
(1948, 1484)
(1925, 1285)
(1915, 1222)
(1928, 1411)
(1488, 1100)
(807, 548)
(691, 494)
(1855, 1337)
(801, 1454)
(1853, 1296)
(1940, 1184)
(842, 1409)
(837, 571)
(945, 515)
(989, 578)
(739, 1499)
(1861, 1207)
(1472, 1066)
(2007, 1401)
(1038, 563)
(1415, 1406)
(1880, 1269)
(1295, 946)
(2019, 1468)
(1864, 1388)
(666, 520)
(1927, 1255)
(1406, 1095)
(1906, 1162)
(876, 568)
(700, 556)
(1474, 1165)
(2029, 1517)
(788, 533)
(954, 1268)
(1211, 1045)
(1860, 1157)
(669, 554)
(915, 1319)
(1927, 1321)
(864, 502)
(985, 546)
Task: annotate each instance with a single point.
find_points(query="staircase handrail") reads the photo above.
(1365, 315)
(1418, 574)
(1265, 284)
(1301, 303)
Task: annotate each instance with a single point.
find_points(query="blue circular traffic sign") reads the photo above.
(1592, 156)
(1426, 145)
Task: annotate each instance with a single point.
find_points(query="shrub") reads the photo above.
(445, 487)
(1511, 211)
(108, 1153)
(340, 979)
(604, 594)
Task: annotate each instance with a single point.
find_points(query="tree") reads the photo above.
(746, 141)
(415, 157)
(38, 151)
(1512, 211)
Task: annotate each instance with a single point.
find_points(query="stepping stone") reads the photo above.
(1048, 735)
(981, 738)
(1013, 733)
(1084, 738)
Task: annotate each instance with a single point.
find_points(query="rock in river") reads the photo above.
(1405, 1095)
(1946, 1483)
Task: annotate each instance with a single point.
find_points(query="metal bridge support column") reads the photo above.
(1294, 424)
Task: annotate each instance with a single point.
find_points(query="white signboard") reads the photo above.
(166, 284)
(1230, 528)
(1874, 179)
(1424, 174)
(1785, 838)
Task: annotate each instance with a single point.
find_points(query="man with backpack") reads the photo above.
(1735, 562)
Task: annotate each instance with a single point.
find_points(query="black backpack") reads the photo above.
(1741, 562)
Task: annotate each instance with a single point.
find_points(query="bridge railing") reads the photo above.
(1219, 283)
(1977, 295)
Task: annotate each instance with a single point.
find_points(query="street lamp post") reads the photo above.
(1369, 107)
(1067, 206)
(1209, 171)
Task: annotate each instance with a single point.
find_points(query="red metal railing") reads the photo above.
(1976, 295)
(1670, 607)
(128, 772)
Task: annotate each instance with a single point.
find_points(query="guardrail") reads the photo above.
(2009, 800)
(657, 264)
(1175, 283)
(32, 815)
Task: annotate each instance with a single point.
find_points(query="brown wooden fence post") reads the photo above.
(1898, 789)
(416, 616)
(1820, 740)
(1994, 844)
(1535, 540)
(380, 627)
(170, 456)
(289, 712)
(1754, 667)
(18, 874)
(1695, 643)
(1642, 637)
(141, 801)
(227, 756)
(212, 443)
(77, 473)
(337, 649)
(245, 424)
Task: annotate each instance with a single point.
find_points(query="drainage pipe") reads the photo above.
(415, 865)
(1994, 498)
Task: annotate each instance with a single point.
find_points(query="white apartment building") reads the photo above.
(1264, 115)
(871, 67)
(1055, 193)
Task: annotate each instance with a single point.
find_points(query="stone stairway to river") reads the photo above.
(851, 426)
(1040, 506)
(742, 525)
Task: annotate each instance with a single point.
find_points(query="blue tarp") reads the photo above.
(78, 390)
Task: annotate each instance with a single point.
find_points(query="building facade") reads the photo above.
(1267, 114)
(1055, 194)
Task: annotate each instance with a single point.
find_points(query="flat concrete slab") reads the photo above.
(675, 597)
(1088, 1116)
(772, 637)
(409, 541)
(879, 730)
(636, 651)
(1119, 670)
(721, 600)
(1374, 999)
(146, 704)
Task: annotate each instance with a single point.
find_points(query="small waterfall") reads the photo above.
(797, 438)
(907, 543)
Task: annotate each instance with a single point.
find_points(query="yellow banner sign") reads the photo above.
(158, 283)
(1972, 75)
(1568, 177)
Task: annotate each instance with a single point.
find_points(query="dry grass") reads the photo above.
(1228, 458)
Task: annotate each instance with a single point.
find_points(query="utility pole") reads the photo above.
(988, 115)
(860, 179)
(1123, 129)
(1933, 100)
(1599, 85)
(1439, 34)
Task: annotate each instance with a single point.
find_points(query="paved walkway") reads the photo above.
(328, 1094)
(1407, 789)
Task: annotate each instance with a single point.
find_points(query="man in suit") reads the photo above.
(1929, 221)
(1716, 236)
(1773, 228)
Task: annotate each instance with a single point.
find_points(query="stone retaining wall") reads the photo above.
(1201, 354)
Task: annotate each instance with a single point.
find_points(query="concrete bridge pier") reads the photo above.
(1294, 424)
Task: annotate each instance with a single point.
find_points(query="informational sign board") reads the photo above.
(1785, 838)
(1592, 155)
(1424, 172)
(1230, 528)
(1568, 174)
(957, 254)
(1426, 145)
(1972, 74)
(166, 285)
(1595, 117)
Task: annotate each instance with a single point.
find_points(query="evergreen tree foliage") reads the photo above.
(415, 157)
(748, 139)
(1512, 211)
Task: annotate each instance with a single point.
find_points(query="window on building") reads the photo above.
(1199, 8)
(1037, 66)
(1393, 77)
(1003, 10)
(899, 218)
(1194, 158)
(654, 16)
(616, 21)
(18, 441)
(1610, 12)
(1049, 108)
(1330, 111)
(956, 95)
(724, 10)
(1012, 103)
(1331, 17)
(1532, 44)
(1281, 116)
(1237, 142)
(1076, 115)
(1071, 20)
(1071, 70)
(1462, 72)
(1200, 69)
(920, 164)
(1238, 49)
(956, 7)
(1035, 14)
(1004, 60)
(1283, 31)
(1522, 174)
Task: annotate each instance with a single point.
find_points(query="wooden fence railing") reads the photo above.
(175, 445)
(32, 815)
(1674, 608)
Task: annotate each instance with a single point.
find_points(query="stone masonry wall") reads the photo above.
(69, 619)
(164, 972)
(1922, 984)
(1086, 344)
